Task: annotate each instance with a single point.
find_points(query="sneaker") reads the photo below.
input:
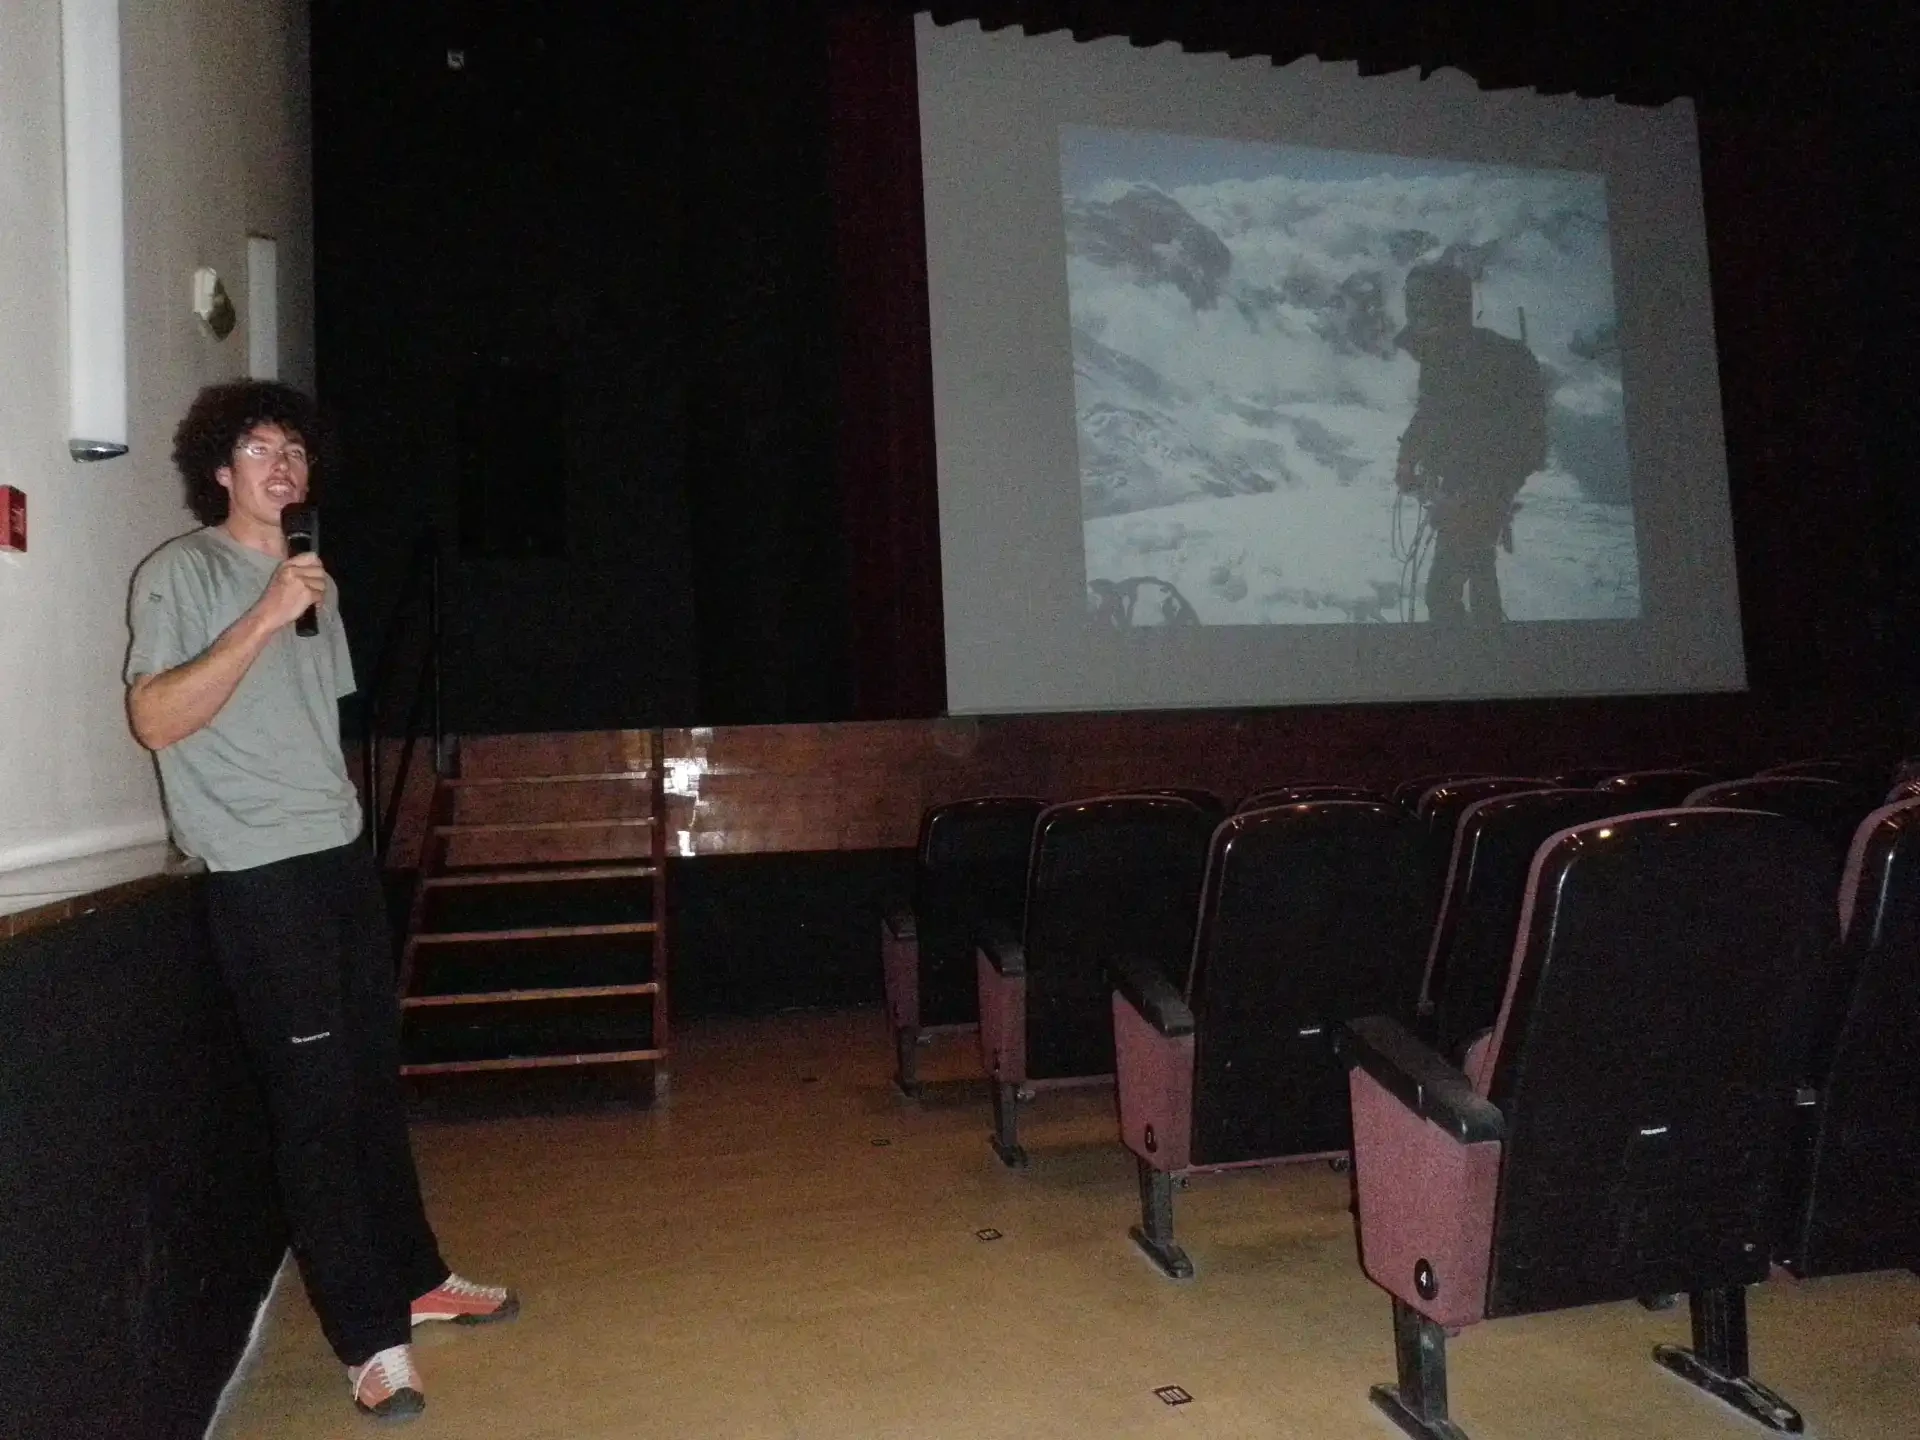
(465, 1303)
(387, 1387)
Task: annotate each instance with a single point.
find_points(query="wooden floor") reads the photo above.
(787, 1251)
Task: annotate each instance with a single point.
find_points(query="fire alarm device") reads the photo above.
(13, 518)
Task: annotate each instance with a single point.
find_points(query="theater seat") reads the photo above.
(1862, 772)
(1274, 795)
(1471, 949)
(1442, 805)
(1832, 808)
(1111, 879)
(1854, 1194)
(1210, 804)
(1620, 1132)
(1653, 789)
(1585, 777)
(1309, 915)
(1408, 792)
(970, 866)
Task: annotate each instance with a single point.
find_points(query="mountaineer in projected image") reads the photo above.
(1479, 433)
(1318, 386)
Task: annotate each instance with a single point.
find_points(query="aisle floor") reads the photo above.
(787, 1250)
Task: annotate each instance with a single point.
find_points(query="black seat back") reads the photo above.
(1112, 877)
(1303, 793)
(1584, 777)
(1655, 789)
(1211, 805)
(971, 866)
(1856, 1205)
(1441, 807)
(1310, 915)
(1471, 951)
(1408, 792)
(1834, 809)
(1862, 772)
(1644, 1060)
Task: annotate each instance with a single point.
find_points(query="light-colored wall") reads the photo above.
(217, 145)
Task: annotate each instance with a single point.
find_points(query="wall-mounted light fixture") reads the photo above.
(96, 230)
(212, 306)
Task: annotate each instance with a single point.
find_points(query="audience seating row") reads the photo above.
(1589, 1030)
(974, 853)
(1697, 1070)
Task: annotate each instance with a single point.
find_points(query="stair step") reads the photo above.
(470, 782)
(536, 932)
(514, 827)
(514, 997)
(535, 873)
(533, 1062)
(538, 902)
(558, 753)
(563, 963)
(508, 839)
(494, 1029)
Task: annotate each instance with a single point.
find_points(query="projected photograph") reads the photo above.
(1318, 386)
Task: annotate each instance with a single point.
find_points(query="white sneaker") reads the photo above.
(387, 1386)
(466, 1302)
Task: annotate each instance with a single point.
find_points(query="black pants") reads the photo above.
(307, 954)
(1463, 587)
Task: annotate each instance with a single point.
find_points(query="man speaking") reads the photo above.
(242, 711)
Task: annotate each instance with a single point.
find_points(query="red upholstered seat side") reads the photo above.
(900, 970)
(1156, 1089)
(1423, 1196)
(1003, 1022)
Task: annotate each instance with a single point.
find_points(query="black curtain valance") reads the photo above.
(1723, 53)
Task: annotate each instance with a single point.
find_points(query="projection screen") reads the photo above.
(1267, 386)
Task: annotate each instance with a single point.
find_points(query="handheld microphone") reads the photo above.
(301, 525)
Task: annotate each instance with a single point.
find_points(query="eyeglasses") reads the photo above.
(295, 455)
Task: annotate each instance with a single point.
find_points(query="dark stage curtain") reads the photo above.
(885, 432)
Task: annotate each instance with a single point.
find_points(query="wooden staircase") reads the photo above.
(537, 936)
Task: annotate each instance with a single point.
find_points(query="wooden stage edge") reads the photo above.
(862, 785)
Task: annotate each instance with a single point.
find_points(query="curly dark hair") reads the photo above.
(214, 423)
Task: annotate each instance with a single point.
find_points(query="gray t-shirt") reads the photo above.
(264, 780)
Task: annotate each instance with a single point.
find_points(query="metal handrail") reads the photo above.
(423, 567)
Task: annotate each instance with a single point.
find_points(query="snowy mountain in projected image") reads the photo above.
(1241, 395)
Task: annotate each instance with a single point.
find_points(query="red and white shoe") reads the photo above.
(465, 1303)
(387, 1387)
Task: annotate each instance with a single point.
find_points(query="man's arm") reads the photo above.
(167, 707)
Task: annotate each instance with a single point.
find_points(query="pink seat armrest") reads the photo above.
(1003, 1022)
(1425, 1198)
(1156, 1089)
(900, 969)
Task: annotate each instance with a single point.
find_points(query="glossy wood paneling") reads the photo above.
(772, 789)
(763, 789)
